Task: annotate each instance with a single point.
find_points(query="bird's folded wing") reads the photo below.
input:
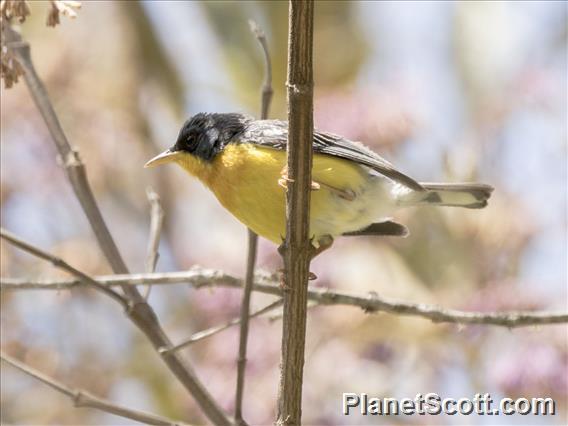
(274, 134)
(327, 143)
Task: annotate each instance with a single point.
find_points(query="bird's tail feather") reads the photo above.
(468, 195)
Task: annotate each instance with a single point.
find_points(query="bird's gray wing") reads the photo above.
(274, 134)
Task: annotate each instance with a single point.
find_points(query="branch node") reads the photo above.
(256, 30)
(58, 262)
(164, 350)
(373, 296)
(282, 248)
(300, 89)
(77, 399)
(72, 159)
(129, 308)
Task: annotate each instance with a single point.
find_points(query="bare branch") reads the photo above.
(244, 321)
(73, 164)
(81, 398)
(268, 284)
(200, 335)
(61, 264)
(297, 248)
(266, 91)
(278, 315)
(156, 222)
(84, 278)
(266, 96)
(139, 312)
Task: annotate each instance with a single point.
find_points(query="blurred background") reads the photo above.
(448, 91)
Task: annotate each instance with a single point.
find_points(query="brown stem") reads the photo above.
(266, 91)
(200, 335)
(61, 264)
(156, 222)
(182, 371)
(266, 97)
(139, 312)
(268, 284)
(82, 398)
(297, 248)
(243, 333)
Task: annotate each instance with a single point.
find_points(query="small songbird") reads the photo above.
(354, 190)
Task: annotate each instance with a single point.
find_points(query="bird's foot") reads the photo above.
(284, 179)
(324, 242)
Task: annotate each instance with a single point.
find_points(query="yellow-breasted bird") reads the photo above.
(354, 190)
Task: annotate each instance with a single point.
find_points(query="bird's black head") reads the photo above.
(205, 135)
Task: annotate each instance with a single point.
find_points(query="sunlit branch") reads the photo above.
(266, 96)
(61, 264)
(81, 398)
(268, 283)
(200, 335)
(139, 312)
(156, 222)
(296, 249)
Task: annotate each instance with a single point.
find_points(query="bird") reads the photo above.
(354, 191)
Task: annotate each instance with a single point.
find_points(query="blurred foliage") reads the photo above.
(147, 50)
(447, 91)
(337, 31)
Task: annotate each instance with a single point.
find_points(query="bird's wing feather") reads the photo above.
(274, 134)
(385, 228)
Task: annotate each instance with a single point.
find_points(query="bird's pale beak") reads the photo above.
(165, 157)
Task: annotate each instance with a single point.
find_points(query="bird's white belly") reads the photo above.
(373, 202)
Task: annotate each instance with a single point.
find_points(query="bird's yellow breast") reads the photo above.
(244, 177)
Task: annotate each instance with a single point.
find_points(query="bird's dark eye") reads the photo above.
(187, 140)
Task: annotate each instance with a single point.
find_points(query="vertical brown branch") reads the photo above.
(297, 248)
(243, 333)
(156, 222)
(139, 312)
(266, 97)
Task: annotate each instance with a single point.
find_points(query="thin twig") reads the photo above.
(200, 335)
(267, 91)
(84, 278)
(244, 321)
(139, 312)
(268, 283)
(74, 166)
(81, 398)
(266, 96)
(61, 264)
(297, 248)
(156, 222)
(278, 315)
